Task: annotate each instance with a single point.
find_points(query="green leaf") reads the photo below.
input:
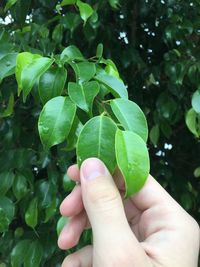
(6, 179)
(97, 139)
(166, 106)
(71, 21)
(51, 83)
(132, 159)
(114, 3)
(197, 172)
(45, 194)
(4, 221)
(19, 252)
(20, 186)
(34, 255)
(33, 72)
(85, 71)
(74, 133)
(55, 121)
(130, 116)
(61, 223)
(99, 51)
(193, 122)
(29, 68)
(7, 65)
(9, 110)
(115, 86)
(68, 2)
(71, 53)
(154, 134)
(176, 72)
(31, 215)
(196, 101)
(8, 207)
(83, 94)
(57, 34)
(68, 184)
(23, 60)
(111, 69)
(51, 210)
(9, 4)
(86, 10)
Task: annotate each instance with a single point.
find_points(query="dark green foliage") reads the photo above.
(155, 46)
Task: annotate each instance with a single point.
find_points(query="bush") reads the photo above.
(155, 46)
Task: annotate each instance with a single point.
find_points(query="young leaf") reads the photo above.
(97, 139)
(32, 72)
(6, 179)
(29, 68)
(196, 101)
(71, 53)
(130, 116)
(19, 252)
(31, 215)
(7, 65)
(34, 255)
(51, 83)
(23, 60)
(20, 186)
(83, 94)
(115, 86)
(55, 121)
(99, 51)
(132, 160)
(86, 10)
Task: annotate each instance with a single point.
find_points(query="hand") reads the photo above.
(148, 230)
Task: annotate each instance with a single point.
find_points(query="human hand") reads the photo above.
(149, 229)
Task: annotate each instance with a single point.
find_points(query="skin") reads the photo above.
(149, 229)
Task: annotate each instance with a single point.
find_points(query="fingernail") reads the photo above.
(92, 168)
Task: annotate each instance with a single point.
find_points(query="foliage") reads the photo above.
(60, 48)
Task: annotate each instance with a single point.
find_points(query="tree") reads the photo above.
(152, 45)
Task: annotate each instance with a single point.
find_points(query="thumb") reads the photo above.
(102, 202)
